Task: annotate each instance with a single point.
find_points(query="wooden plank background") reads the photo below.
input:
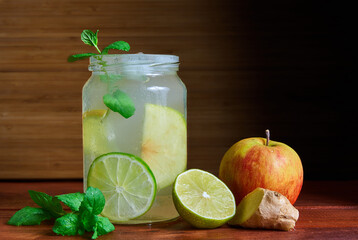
(248, 66)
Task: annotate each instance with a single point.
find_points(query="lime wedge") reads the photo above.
(202, 199)
(127, 184)
(164, 143)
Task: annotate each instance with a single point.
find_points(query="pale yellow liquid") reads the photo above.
(125, 135)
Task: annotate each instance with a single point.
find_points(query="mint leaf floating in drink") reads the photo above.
(110, 78)
(120, 102)
(72, 200)
(29, 216)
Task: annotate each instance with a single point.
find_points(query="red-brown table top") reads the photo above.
(328, 210)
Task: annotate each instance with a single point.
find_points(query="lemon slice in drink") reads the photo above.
(164, 146)
(95, 136)
(127, 184)
(95, 141)
(202, 199)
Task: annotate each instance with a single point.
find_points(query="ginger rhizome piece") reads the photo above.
(263, 208)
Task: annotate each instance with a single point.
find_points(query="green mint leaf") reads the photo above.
(120, 102)
(89, 37)
(119, 45)
(67, 225)
(103, 226)
(95, 234)
(29, 216)
(72, 200)
(96, 37)
(93, 201)
(109, 78)
(76, 57)
(81, 229)
(88, 220)
(47, 202)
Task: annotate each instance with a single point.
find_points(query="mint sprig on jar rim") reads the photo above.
(116, 100)
(91, 38)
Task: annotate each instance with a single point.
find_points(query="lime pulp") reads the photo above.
(127, 184)
(202, 199)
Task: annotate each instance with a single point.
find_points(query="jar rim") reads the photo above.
(137, 58)
(133, 62)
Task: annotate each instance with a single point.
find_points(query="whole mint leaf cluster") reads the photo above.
(85, 206)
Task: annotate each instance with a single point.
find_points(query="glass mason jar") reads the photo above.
(156, 132)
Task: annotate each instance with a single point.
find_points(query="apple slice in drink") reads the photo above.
(164, 146)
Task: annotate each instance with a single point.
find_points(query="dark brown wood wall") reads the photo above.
(248, 65)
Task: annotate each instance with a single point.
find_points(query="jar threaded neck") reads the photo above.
(146, 63)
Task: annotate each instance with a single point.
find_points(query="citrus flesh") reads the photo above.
(202, 199)
(164, 146)
(127, 184)
(95, 133)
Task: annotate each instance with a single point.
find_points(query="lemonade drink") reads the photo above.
(156, 132)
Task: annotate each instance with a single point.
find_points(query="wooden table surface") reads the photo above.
(328, 210)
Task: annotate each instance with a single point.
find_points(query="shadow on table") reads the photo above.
(326, 193)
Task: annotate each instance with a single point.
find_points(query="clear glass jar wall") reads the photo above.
(152, 83)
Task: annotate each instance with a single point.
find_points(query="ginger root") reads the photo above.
(263, 208)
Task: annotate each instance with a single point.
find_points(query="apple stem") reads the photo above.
(267, 137)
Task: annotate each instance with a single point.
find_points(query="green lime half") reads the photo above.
(202, 199)
(164, 145)
(127, 184)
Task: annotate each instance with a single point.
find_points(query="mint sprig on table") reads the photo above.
(117, 101)
(85, 207)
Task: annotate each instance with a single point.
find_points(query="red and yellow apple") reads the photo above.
(259, 162)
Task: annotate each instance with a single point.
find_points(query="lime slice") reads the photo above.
(127, 184)
(202, 199)
(164, 143)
